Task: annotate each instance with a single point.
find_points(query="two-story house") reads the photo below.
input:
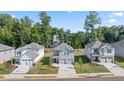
(6, 53)
(63, 54)
(28, 55)
(100, 52)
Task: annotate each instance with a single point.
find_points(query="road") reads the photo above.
(66, 79)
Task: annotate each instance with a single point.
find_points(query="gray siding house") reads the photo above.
(99, 52)
(6, 53)
(119, 46)
(63, 54)
(28, 55)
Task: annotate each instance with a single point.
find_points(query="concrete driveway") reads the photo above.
(66, 71)
(19, 72)
(115, 69)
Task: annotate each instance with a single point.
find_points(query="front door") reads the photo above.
(96, 59)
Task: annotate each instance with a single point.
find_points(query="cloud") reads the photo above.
(13, 16)
(117, 14)
(69, 12)
(112, 20)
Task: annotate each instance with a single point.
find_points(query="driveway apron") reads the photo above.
(66, 71)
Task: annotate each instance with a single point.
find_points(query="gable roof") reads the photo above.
(94, 44)
(31, 54)
(32, 46)
(5, 47)
(119, 43)
(63, 46)
(97, 44)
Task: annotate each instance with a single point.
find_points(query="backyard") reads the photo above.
(43, 67)
(119, 61)
(6, 68)
(82, 65)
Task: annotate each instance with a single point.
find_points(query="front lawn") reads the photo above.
(83, 65)
(43, 67)
(119, 61)
(89, 68)
(39, 68)
(6, 68)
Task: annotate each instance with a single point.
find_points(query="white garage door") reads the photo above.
(66, 61)
(26, 62)
(107, 60)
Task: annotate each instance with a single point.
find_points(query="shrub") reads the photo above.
(82, 58)
(46, 61)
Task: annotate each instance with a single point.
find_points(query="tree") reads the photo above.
(25, 33)
(46, 28)
(92, 20)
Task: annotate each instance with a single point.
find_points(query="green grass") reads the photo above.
(39, 68)
(85, 66)
(120, 61)
(6, 69)
(44, 67)
(89, 68)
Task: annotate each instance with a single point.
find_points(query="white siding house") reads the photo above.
(100, 52)
(63, 54)
(6, 53)
(28, 55)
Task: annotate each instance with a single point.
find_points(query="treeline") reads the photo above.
(19, 32)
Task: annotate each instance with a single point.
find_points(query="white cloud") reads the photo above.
(112, 20)
(69, 12)
(13, 16)
(117, 14)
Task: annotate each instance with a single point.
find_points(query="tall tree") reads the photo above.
(92, 20)
(26, 24)
(46, 28)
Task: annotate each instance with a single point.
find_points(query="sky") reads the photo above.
(73, 20)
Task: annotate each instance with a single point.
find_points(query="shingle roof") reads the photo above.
(96, 44)
(63, 46)
(119, 43)
(31, 54)
(5, 47)
(32, 46)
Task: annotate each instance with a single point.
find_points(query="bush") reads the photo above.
(82, 58)
(46, 61)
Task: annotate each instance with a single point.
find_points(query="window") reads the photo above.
(96, 50)
(109, 51)
(66, 53)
